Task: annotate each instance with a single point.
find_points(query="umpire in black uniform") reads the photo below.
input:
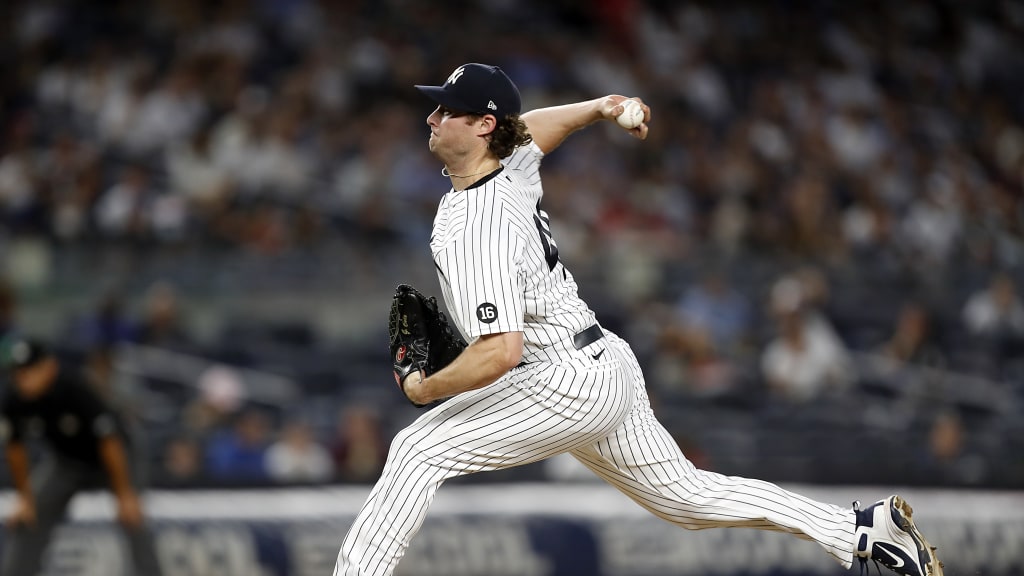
(88, 451)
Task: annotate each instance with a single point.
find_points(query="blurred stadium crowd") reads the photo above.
(818, 253)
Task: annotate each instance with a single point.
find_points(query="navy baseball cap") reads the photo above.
(477, 89)
(17, 352)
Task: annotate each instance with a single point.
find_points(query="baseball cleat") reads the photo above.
(886, 534)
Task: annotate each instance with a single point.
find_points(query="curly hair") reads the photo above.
(509, 134)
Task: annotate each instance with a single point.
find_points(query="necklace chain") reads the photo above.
(447, 174)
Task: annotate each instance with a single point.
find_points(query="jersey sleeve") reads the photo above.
(525, 160)
(486, 281)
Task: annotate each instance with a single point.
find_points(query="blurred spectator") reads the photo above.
(196, 176)
(167, 217)
(702, 369)
(933, 222)
(995, 311)
(948, 460)
(221, 394)
(161, 322)
(353, 184)
(359, 448)
(18, 178)
(856, 141)
(913, 338)
(181, 463)
(121, 210)
(119, 113)
(297, 457)
(867, 226)
(72, 209)
(814, 290)
(234, 136)
(276, 166)
(60, 166)
(237, 454)
(708, 373)
(168, 114)
(806, 359)
(801, 363)
(718, 309)
(106, 326)
(811, 226)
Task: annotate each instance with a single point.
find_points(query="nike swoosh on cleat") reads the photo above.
(897, 559)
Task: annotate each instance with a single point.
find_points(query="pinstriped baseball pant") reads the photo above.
(599, 412)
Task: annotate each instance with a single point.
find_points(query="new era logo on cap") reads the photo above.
(477, 89)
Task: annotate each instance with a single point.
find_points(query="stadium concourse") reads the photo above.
(817, 253)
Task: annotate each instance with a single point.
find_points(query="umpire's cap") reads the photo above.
(19, 352)
(477, 89)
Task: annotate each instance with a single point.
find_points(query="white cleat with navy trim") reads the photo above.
(886, 534)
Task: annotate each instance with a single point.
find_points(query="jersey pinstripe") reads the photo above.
(495, 239)
(499, 271)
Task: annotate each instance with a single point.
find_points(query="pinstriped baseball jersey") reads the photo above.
(495, 238)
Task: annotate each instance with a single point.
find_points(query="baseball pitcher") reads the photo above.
(540, 375)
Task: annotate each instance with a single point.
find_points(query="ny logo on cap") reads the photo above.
(456, 75)
(492, 105)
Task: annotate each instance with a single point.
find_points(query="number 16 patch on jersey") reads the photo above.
(487, 312)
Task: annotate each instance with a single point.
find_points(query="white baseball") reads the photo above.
(632, 114)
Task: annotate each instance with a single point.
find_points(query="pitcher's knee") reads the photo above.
(675, 516)
(687, 514)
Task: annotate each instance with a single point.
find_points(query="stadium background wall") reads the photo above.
(509, 530)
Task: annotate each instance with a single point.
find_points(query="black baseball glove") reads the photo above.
(420, 336)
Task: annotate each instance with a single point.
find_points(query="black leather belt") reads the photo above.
(587, 337)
